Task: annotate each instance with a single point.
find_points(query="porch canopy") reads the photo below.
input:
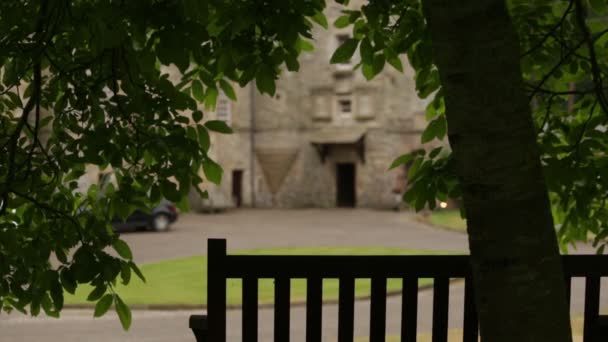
(323, 139)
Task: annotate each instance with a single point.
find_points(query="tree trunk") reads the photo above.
(518, 277)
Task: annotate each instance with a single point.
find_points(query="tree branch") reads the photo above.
(53, 210)
(31, 103)
(548, 34)
(595, 69)
(557, 66)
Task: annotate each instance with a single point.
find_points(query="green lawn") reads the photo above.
(183, 281)
(449, 219)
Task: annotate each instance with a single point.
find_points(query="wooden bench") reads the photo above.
(283, 268)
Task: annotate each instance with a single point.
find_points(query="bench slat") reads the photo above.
(216, 290)
(314, 288)
(592, 308)
(470, 331)
(377, 319)
(250, 310)
(568, 281)
(409, 309)
(441, 296)
(346, 309)
(281, 309)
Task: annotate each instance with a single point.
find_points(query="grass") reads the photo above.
(183, 281)
(449, 219)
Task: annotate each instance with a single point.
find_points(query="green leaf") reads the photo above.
(371, 70)
(292, 63)
(344, 53)
(67, 280)
(197, 116)
(61, 256)
(228, 90)
(211, 97)
(342, 21)
(125, 273)
(57, 295)
(401, 160)
(123, 311)
(367, 51)
(213, 171)
(412, 173)
(47, 306)
(378, 64)
(137, 271)
(265, 81)
(103, 305)
(320, 19)
(169, 191)
(218, 126)
(97, 293)
(10, 73)
(203, 137)
(368, 71)
(435, 129)
(600, 6)
(15, 99)
(304, 45)
(122, 249)
(435, 152)
(197, 91)
(396, 63)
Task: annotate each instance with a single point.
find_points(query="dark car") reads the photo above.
(159, 220)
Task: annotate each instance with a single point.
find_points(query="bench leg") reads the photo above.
(198, 324)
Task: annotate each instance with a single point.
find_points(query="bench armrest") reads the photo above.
(199, 326)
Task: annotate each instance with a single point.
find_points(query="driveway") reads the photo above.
(246, 229)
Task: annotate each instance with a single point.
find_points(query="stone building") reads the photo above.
(325, 139)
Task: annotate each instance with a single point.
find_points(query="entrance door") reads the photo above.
(345, 185)
(237, 187)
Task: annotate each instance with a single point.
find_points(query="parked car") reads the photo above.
(158, 220)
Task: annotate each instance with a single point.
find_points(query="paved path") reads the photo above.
(247, 229)
(252, 229)
(157, 326)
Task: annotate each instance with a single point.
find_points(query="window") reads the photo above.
(320, 111)
(345, 106)
(364, 108)
(222, 109)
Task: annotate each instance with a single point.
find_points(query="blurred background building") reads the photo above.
(326, 139)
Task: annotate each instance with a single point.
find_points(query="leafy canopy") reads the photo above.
(564, 54)
(86, 84)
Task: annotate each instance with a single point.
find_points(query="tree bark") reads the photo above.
(517, 271)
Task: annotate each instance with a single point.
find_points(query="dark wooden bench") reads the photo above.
(283, 268)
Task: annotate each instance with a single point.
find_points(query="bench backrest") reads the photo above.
(410, 268)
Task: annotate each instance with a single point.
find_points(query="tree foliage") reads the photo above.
(86, 83)
(565, 46)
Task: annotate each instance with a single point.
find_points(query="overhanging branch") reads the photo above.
(596, 73)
